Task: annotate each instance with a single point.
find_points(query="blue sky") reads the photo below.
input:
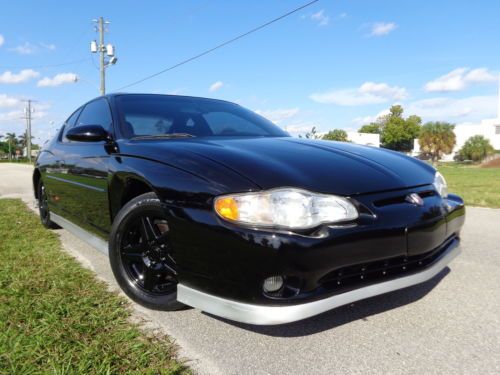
(336, 64)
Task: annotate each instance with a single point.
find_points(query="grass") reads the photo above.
(56, 318)
(19, 161)
(477, 186)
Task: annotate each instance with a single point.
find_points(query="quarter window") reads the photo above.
(70, 122)
(96, 113)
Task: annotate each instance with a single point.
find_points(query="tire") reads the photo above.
(141, 255)
(43, 208)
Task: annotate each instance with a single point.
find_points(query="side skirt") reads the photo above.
(82, 234)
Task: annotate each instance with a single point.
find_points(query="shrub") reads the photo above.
(476, 148)
(336, 135)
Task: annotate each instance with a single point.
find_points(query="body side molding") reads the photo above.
(94, 241)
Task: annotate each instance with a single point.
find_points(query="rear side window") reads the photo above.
(96, 113)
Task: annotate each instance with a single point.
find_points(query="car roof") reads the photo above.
(116, 94)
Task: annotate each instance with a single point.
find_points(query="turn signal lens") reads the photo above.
(227, 208)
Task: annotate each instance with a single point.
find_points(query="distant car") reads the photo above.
(201, 202)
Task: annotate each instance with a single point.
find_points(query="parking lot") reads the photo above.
(450, 324)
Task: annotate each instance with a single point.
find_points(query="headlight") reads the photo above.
(440, 185)
(284, 207)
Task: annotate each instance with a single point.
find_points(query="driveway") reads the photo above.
(450, 324)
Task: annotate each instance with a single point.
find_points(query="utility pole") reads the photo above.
(103, 51)
(101, 59)
(28, 111)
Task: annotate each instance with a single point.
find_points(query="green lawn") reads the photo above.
(56, 318)
(477, 186)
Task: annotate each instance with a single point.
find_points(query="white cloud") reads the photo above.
(320, 17)
(368, 119)
(11, 116)
(28, 48)
(49, 46)
(367, 93)
(216, 86)
(460, 78)
(300, 127)
(8, 101)
(474, 108)
(25, 49)
(8, 77)
(279, 115)
(2, 40)
(382, 28)
(383, 90)
(57, 80)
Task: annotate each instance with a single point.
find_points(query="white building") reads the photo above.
(366, 139)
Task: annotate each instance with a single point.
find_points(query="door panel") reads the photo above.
(87, 186)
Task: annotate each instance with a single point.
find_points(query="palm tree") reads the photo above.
(23, 139)
(437, 139)
(13, 141)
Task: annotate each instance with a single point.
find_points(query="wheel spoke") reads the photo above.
(170, 265)
(148, 230)
(133, 253)
(149, 278)
(163, 238)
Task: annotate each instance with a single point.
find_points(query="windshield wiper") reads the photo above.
(165, 136)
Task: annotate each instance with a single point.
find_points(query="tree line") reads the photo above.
(436, 138)
(12, 144)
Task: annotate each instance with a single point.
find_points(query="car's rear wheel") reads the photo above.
(43, 207)
(142, 256)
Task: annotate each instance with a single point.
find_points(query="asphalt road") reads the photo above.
(450, 324)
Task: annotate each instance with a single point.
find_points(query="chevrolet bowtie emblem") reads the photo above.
(415, 199)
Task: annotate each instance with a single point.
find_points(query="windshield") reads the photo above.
(160, 115)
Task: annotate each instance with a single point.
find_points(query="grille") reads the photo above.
(378, 271)
(402, 198)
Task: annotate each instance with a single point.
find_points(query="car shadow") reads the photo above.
(345, 314)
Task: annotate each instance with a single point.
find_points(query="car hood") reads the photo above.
(321, 166)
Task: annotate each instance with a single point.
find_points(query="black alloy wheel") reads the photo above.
(145, 253)
(142, 256)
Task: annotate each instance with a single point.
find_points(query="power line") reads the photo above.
(219, 46)
(44, 66)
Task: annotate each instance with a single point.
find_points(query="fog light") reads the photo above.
(273, 284)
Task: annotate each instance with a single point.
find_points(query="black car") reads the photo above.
(204, 203)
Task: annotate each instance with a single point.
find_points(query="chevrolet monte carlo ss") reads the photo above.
(201, 202)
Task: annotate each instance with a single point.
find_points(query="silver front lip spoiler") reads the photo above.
(270, 315)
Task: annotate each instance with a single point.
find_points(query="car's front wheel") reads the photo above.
(141, 254)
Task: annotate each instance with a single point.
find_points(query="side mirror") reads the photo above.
(87, 133)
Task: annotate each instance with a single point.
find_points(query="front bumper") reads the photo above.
(271, 315)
